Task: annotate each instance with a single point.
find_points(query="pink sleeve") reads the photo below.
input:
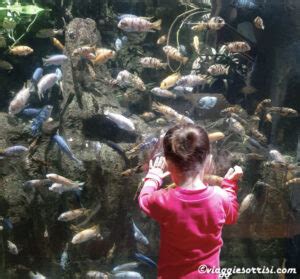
(148, 200)
(230, 202)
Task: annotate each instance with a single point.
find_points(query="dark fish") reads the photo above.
(31, 112)
(145, 260)
(64, 147)
(40, 119)
(7, 224)
(138, 235)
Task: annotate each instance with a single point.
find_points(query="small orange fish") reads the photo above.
(57, 43)
(21, 50)
(103, 55)
(162, 40)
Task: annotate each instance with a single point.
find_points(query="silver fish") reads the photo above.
(57, 60)
(277, 156)
(60, 188)
(12, 248)
(121, 121)
(192, 80)
(93, 274)
(127, 275)
(208, 102)
(45, 83)
(138, 235)
(125, 267)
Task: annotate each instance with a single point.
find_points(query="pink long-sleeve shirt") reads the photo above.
(191, 223)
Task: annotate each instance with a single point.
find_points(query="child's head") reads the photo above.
(186, 149)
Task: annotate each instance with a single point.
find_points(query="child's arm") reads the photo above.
(149, 197)
(229, 184)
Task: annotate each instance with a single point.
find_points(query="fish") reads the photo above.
(125, 267)
(14, 151)
(147, 116)
(276, 156)
(61, 188)
(233, 109)
(37, 122)
(37, 183)
(120, 42)
(57, 44)
(151, 62)
(93, 274)
(62, 180)
(258, 135)
(138, 24)
(21, 50)
(45, 83)
(6, 65)
(170, 81)
(64, 258)
(138, 235)
(12, 248)
(64, 147)
(196, 44)
(213, 180)
(48, 33)
(245, 4)
(293, 181)
(283, 111)
(121, 121)
(36, 275)
(146, 145)
(262, 106)
(125, 78)
(259, 23)
(218, 70)
(162, 40)
(192, 80)
(183, 89)
(83, 51)
(56, 60)
(73, 214)
(174, 53)
(37, 75)
(207, 102)
(19, 101)
(121, 16)
(164, 93)
(182, 50)
(200, 26)
(127, 275)
(171, 113)
(216, 136)
(238, 47)
(7, 224)
(2, 42)
(236, 127)
(87, 234)
(247, 203)
(103, 55)
(145, 260)
(214, 24)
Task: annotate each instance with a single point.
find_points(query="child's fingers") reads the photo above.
(151, 164)
(167, 173)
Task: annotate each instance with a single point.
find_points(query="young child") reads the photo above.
(192, 215)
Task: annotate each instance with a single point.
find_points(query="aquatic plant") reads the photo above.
(14, 14)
